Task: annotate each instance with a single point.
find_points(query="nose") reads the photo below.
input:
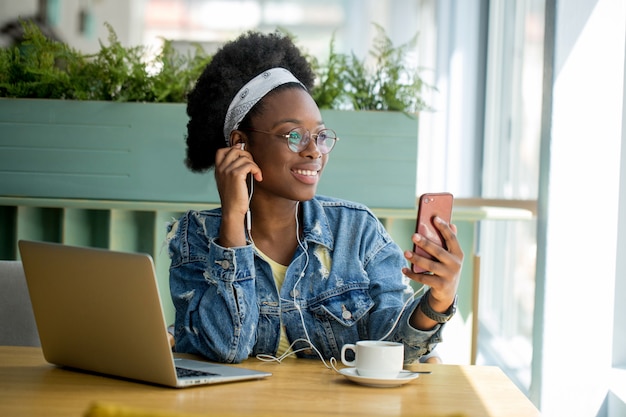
(311, 150)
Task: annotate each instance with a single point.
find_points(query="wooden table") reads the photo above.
(31, 387)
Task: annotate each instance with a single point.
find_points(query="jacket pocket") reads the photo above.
(346, 304)
(342, 316)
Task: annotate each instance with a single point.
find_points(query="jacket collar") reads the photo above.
(316, 225)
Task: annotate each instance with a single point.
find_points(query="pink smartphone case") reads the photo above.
(429, 206)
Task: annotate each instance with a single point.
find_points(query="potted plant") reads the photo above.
(100, 135)
(346, 82)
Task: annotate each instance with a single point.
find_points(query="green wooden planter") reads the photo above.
(375, 160)
(135, 152)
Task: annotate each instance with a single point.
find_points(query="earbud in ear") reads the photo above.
(242, 145)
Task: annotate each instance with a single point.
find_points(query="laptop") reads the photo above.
(99, 310)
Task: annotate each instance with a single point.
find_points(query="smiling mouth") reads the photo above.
(306, 172)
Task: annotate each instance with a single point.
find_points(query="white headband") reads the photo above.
(253, 91)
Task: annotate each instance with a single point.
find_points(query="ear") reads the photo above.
(237, 136)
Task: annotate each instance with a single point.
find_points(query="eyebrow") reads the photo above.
(294, 121)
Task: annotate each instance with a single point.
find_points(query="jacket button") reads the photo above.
(225, 264)
(294, 293)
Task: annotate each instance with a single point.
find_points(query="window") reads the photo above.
(510, 171)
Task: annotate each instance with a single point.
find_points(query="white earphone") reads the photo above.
(242, 146)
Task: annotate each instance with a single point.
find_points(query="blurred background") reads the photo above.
(212, 22)
(481, 138)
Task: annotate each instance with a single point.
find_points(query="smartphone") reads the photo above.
(429, 206)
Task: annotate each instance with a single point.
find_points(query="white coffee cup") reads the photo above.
(375, 358)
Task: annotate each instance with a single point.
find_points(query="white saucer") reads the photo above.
(403, 377)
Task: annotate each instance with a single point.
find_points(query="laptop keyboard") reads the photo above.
(184, 372)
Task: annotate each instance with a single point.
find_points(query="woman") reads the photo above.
(276, 264)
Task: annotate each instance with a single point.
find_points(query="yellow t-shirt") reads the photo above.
(278, 272)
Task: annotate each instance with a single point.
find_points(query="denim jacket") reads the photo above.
(344, 284)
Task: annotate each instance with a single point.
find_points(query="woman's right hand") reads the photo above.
(232, 166)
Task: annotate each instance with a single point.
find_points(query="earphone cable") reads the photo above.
(290, 351)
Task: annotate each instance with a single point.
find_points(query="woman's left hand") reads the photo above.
(445, 269)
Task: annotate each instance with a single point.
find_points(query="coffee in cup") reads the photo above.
(375, 358)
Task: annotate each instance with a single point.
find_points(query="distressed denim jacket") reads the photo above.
(344, 284)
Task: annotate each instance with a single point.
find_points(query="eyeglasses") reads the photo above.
(298, 139)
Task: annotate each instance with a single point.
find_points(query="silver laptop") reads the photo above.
(99, 310)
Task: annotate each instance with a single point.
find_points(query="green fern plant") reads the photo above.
(177, 72)
(43, 68)
(328, 93)
(391, 84)
(38, 68)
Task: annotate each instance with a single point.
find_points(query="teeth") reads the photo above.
(306, 172)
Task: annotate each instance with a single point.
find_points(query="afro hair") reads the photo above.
(232, 66)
